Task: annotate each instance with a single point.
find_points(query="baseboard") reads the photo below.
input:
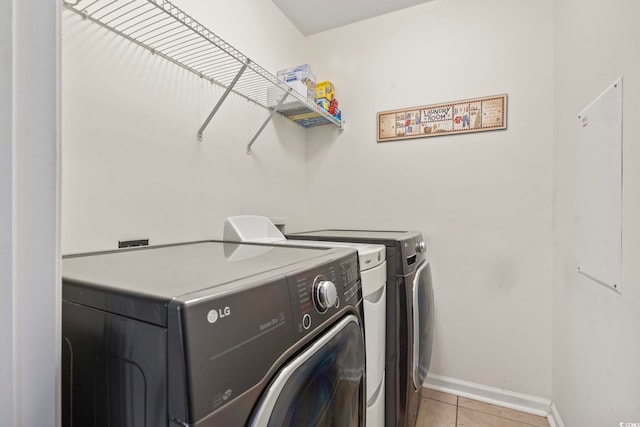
(554, 417)
(495, 396)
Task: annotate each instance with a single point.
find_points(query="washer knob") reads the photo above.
(421, 247)
(326, 294)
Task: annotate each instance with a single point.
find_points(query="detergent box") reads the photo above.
(325, 90)
(323, 103)
(303, 73)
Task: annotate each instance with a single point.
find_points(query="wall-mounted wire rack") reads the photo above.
(169, 32)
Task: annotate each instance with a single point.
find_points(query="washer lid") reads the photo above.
(169, 271)
(140, 282)
(381, 237)
(369, 255)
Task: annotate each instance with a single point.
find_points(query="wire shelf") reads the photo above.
(168, 31)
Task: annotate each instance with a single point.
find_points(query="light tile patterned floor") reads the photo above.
(446, 410)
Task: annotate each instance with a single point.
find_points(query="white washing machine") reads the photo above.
(373, 273)
(410, 307)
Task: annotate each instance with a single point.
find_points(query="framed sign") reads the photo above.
(468, 115)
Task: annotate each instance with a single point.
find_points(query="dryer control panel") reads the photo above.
(319, 293)
(413, 252)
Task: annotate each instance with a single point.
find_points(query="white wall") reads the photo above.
(29, 239)
(132, 167)
(6, 211)
(596, 374)
(483, 201)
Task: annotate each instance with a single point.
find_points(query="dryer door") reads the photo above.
(322, 386)
(422, 323)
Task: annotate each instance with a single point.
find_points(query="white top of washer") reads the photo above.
(369, 255)
(259, 229)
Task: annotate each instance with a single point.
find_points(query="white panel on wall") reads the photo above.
(599, 189)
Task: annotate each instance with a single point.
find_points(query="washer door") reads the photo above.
(323, 386)
(422, 323)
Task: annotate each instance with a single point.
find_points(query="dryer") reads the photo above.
(210, 333)
(410, 305)
(373, 273)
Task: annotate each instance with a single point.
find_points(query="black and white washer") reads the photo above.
(211, 334)
(410, 306)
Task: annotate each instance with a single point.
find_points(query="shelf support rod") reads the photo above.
(221, 100)
(266, 122)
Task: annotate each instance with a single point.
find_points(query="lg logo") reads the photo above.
(214, 315)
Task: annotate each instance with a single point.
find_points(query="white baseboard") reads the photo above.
(495, 396)
(554, 417)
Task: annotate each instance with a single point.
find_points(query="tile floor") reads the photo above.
(446, 410)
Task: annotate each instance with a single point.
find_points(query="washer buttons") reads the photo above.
(306, 321)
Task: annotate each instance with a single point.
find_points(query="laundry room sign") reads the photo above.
(468, 115)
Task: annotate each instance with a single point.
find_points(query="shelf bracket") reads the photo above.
(266, 122)
(221, 100)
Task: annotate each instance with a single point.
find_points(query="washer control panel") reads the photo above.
(319, 293)
(325, 294)
(351, 276)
